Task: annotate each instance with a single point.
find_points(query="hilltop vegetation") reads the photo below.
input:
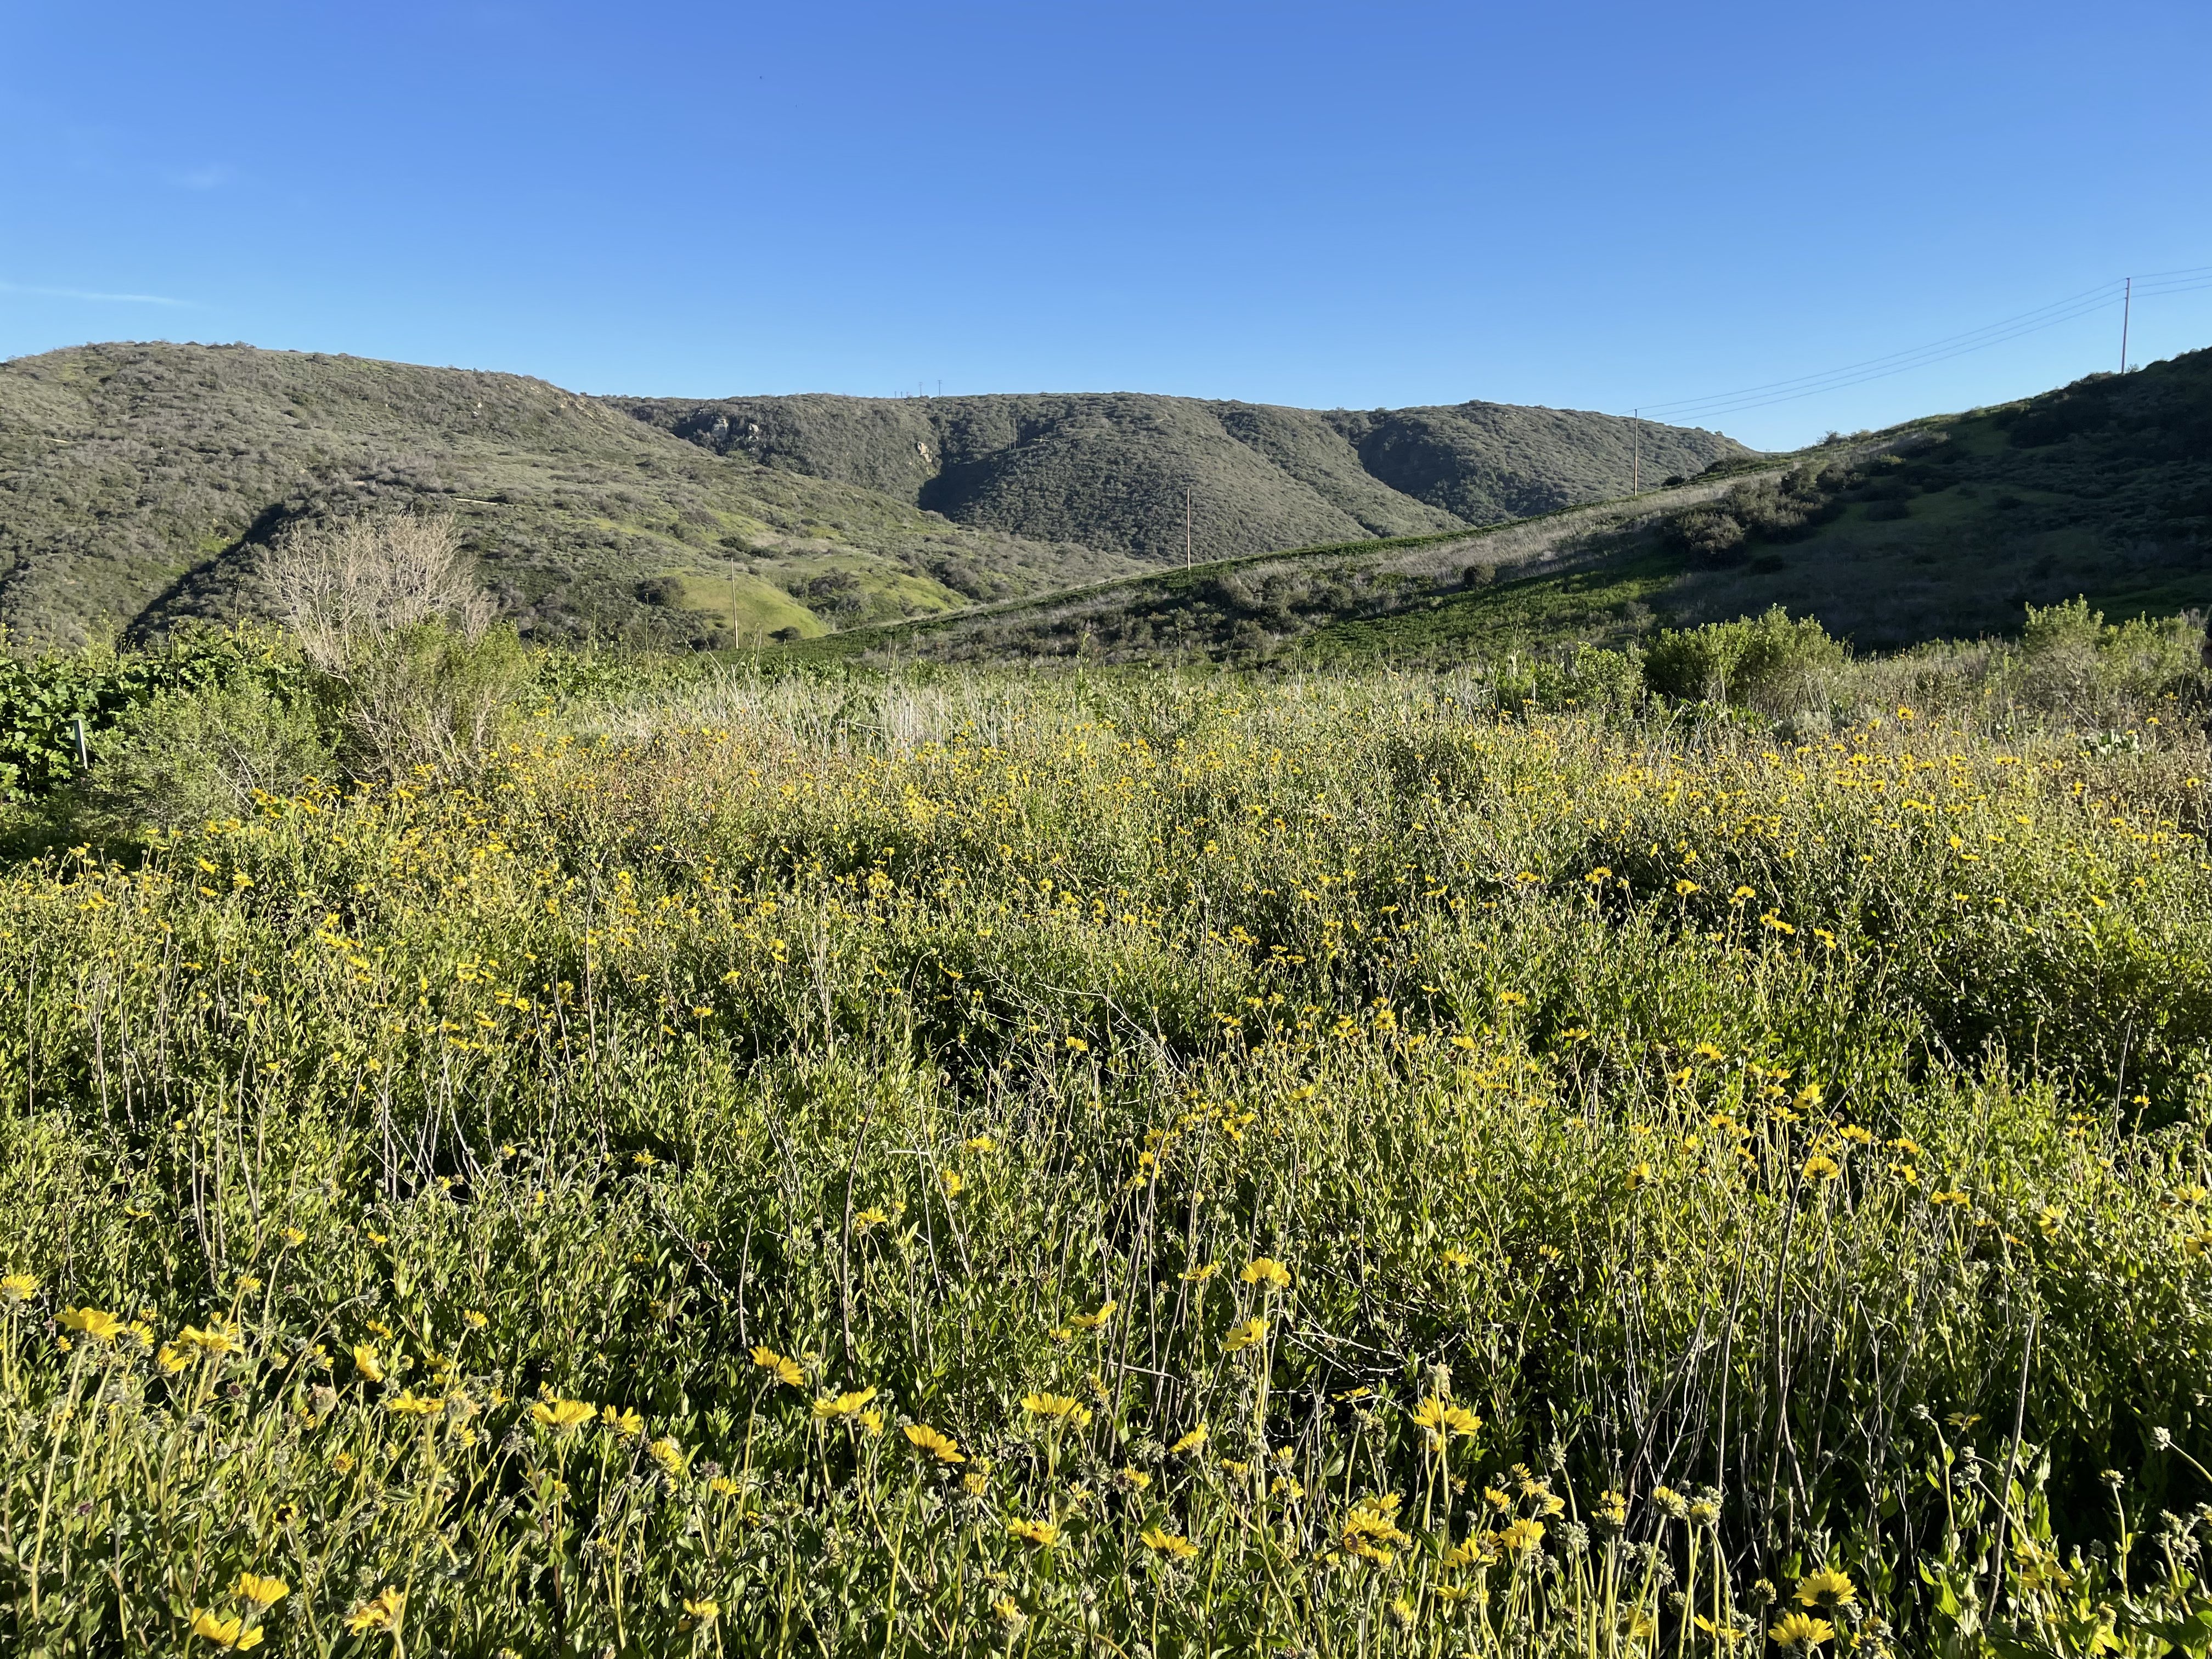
(141, 484)
(1110, 470)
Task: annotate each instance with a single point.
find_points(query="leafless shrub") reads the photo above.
(388, 611)
(336, 585)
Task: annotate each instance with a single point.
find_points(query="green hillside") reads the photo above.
(2102, 488)
(138, 483)
(1110, 470)
(1590, 573)
(1945, 527)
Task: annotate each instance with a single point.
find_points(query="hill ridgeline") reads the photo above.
(140, 485)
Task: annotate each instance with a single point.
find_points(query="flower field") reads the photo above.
(1178, 1166)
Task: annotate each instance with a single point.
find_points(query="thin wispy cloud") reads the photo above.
(35, 292)
(209, 178)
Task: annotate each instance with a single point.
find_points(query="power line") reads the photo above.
(2088, 296)
(2084, 304)
(2145, 285)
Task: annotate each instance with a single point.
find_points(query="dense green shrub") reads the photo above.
(2072, 660)
(42, 698)
(1587, 677)
(210, 752)
(428, 695)
(1772, 509)
(1774, 663)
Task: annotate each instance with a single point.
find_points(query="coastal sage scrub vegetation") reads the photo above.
(1065, 1165)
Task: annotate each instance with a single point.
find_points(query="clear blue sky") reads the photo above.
(1591, 205)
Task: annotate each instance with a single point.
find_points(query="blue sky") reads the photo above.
(1591, 205)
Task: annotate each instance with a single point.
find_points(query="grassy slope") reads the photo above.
(1942, 527)
(1110, 470)
(2103, 489)
(137, 483)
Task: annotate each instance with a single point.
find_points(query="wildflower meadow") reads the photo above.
(1050, 1164)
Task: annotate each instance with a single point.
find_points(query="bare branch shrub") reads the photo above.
(389, 612)
(335, 586)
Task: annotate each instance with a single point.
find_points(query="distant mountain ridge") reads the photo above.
(1110, 470)
(140, 484)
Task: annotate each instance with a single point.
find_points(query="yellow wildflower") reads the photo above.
(562, 1416)
(1243, 1336)
(18, 1287)
(1190, 1442)
(262, 1592)
(848, 1404)
(786, 1370)
(1059, 1407)
(1268, 1272)
(1173, 1545)
(230, 1633)
(1370, 1528)
(106, 1327)
(215, 1340)
(927, 1441)
(1522, 1534)
(1040, 1534)
(1440, 1420)
(1798, 1633)
(1827, 1589)
(366, 1362)
(382, 1611)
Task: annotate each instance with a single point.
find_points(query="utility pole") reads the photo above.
(2127, 305)
(733, 605)
(1185, 526)
(1636, 451)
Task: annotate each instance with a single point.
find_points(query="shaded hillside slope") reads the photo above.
(1942, 528)
(1110, 470)
(2102, 488)
(138, 482)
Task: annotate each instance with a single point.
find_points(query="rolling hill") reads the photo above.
(1110, 470)
(138, 484)
(1947, 526)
